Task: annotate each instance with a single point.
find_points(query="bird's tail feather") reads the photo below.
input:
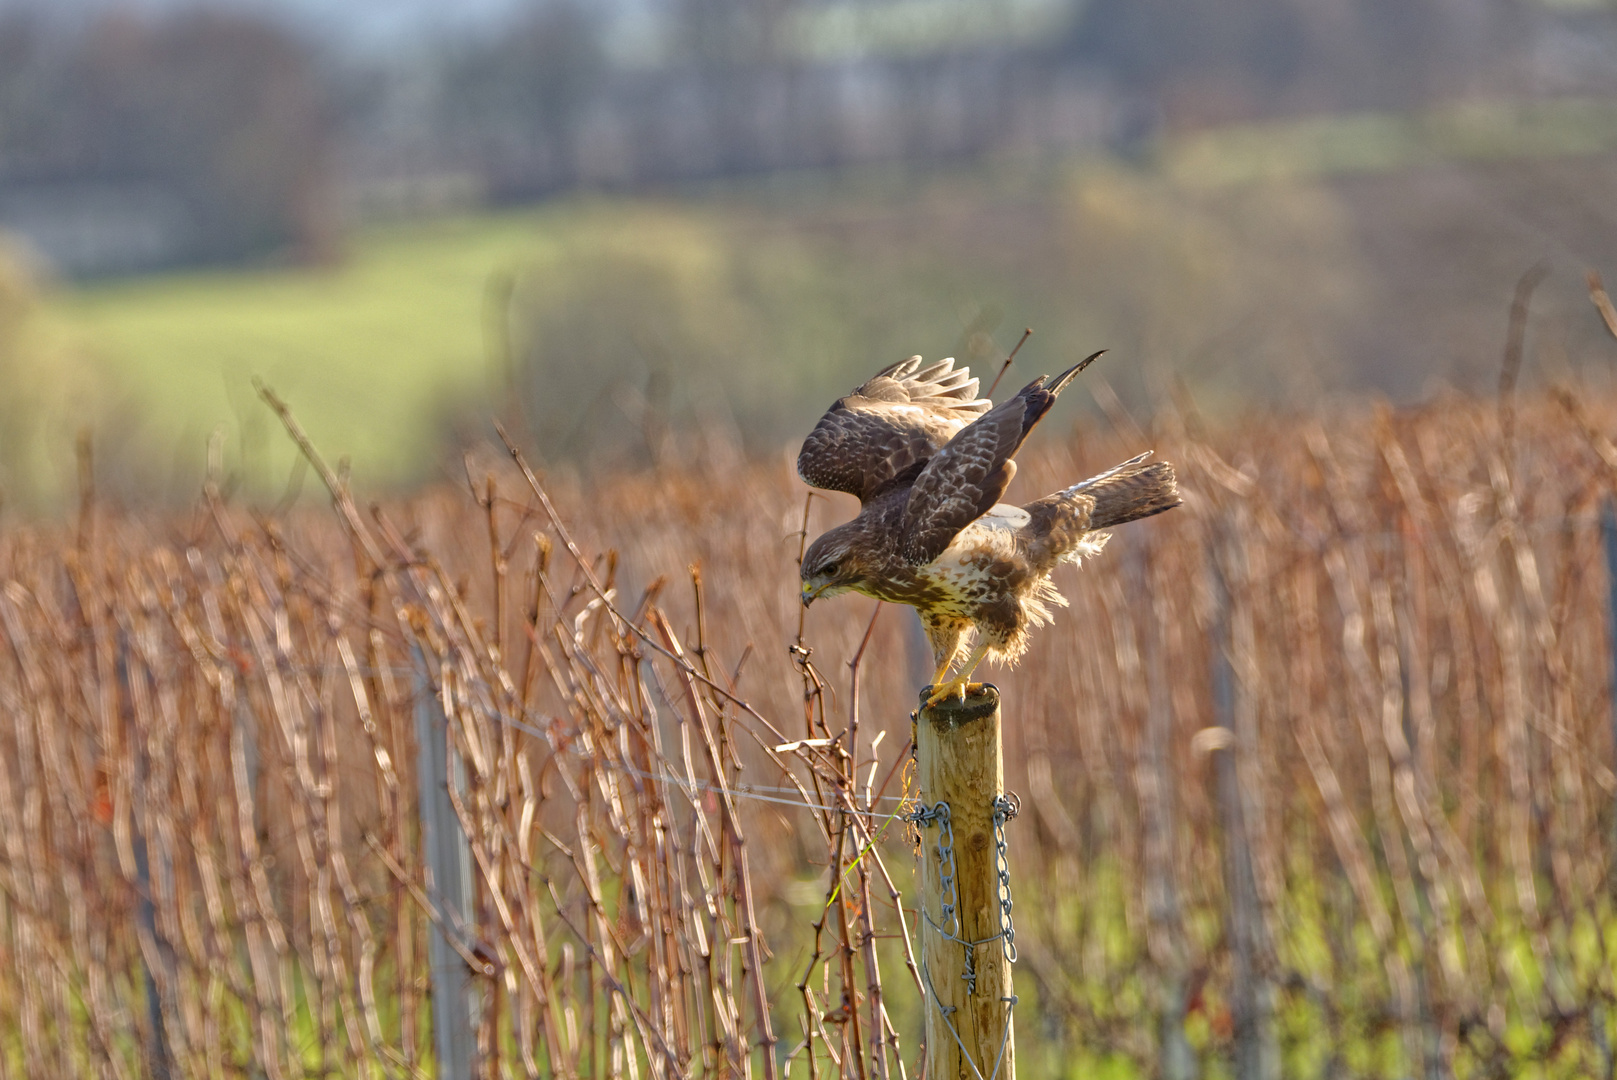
(1133, 490)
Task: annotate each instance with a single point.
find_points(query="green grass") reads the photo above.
(704, 310)
(623, 313)
(1355, 143)
(365, 352)
(750, 303)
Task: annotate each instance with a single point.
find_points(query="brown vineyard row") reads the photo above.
(1316, 772)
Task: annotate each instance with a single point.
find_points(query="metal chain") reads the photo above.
(948, 895)
(1004, 810)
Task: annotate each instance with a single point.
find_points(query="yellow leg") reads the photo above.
(973, 660)
(957, 687)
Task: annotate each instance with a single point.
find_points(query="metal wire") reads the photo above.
(948, 895)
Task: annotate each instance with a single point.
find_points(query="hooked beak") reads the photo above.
(809, 593)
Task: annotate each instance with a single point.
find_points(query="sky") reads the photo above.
(359, 24)
(827, 30)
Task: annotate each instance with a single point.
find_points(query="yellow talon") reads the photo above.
(957, 688)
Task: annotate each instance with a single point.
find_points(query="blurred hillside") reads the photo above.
(619, 331)
(129, 143)
(626, 228)
(154, 134)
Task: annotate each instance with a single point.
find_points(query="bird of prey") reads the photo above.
(929, 461)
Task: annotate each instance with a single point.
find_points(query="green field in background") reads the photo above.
(364, 352)
(757, 298)
(744, 310)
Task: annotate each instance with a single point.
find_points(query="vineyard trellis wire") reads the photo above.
(207, 743)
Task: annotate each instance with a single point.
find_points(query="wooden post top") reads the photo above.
(956, 713)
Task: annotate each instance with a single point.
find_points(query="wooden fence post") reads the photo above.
(154, 950)
(968, 942)
(1257, 1052)
(1608, 536)
(1176, 1060)
(449, 859)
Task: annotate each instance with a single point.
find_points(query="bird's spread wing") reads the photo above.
(968, 476)
(889, 426)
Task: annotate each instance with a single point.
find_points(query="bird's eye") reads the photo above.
(829, 569)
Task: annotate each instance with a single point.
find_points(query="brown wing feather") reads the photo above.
(970, 474)
(893, 423)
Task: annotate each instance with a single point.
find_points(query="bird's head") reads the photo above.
(832, 564)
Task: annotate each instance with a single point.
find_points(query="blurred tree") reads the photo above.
(519, 97)
(224, 112)
(734, 52)
(716, 34)
(1221, 60)
(1146, 43)
(34, 76)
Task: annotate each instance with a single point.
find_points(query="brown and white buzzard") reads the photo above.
(929, 461)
